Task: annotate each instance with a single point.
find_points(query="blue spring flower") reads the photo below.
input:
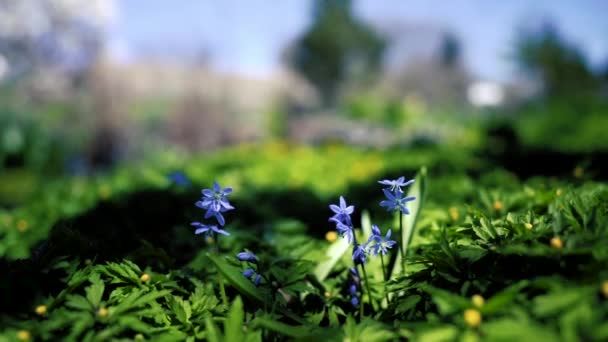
(344, 230)
(215, 202)
(178, 178)
(248, 257)
(359, 253)
(382, 245)
(395, 201)
(396, 185)
(248, 273)
(354, 287)
(342, 212)
(208, 230)
(257, 280)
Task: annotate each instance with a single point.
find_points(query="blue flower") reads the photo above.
(215, 202)
(395, 201)
(354, 301)
(208, 230)
(376, 234)
(247, 256)
(342, 213)
(248, 273)
(179, 178)
(396, 184)
(344, 230)
(359, 253)
(383, 245)
(257, 280)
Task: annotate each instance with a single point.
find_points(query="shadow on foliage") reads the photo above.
(505, 149)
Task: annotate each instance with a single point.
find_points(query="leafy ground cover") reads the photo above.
(490, 256)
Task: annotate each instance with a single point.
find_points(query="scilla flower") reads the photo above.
(250, 272)
(247, 256)
(215, 202)
(342, 213)
(344, 230)
(396, 184)
(382, 245)
(208, 230)
(359, 254)
(395, 201)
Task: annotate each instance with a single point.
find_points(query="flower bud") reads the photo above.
(23, 335)
(145, 278)
(472, 317)
(248, 273)
(257, 280)
(477, 300)
(246, 256)
(102, 312)
(557, 243)
(331, 236)
(41, 310)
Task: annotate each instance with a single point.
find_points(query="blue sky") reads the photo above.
(248, 36)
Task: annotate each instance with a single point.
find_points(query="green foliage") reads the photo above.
(490, 235)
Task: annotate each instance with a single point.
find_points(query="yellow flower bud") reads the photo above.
(139, 337)
(331, 236)
(558, 192)
(578, 172)
(23, 335)
(22, 226)
(605, 288)
(102, 312)
(472, 317)
(327, 294)
(454, 213)
(528, 225)
(105, 191)
(477, 300)
(41, 310)
(557, 243)
(498, 205)
(145, 278)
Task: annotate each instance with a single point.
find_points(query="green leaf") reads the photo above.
(78, 302)
(333, 254)
(409, 221)
(235, 277)
(182, 309)
(447, 302)
(213, 334)
(502, 299)
(95, 291)
(514, 330)
(233, 326)
(556, 301)
(296, 332)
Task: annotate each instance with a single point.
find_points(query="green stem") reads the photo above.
(401, 242)
(220, 277)
(369, 293)
(385, 278)
(222, 289)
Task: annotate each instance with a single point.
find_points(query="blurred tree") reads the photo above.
(66, 36)
(449, 50)
(561, 67)
(338, 47)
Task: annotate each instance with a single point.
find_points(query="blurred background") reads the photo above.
(86, 84)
